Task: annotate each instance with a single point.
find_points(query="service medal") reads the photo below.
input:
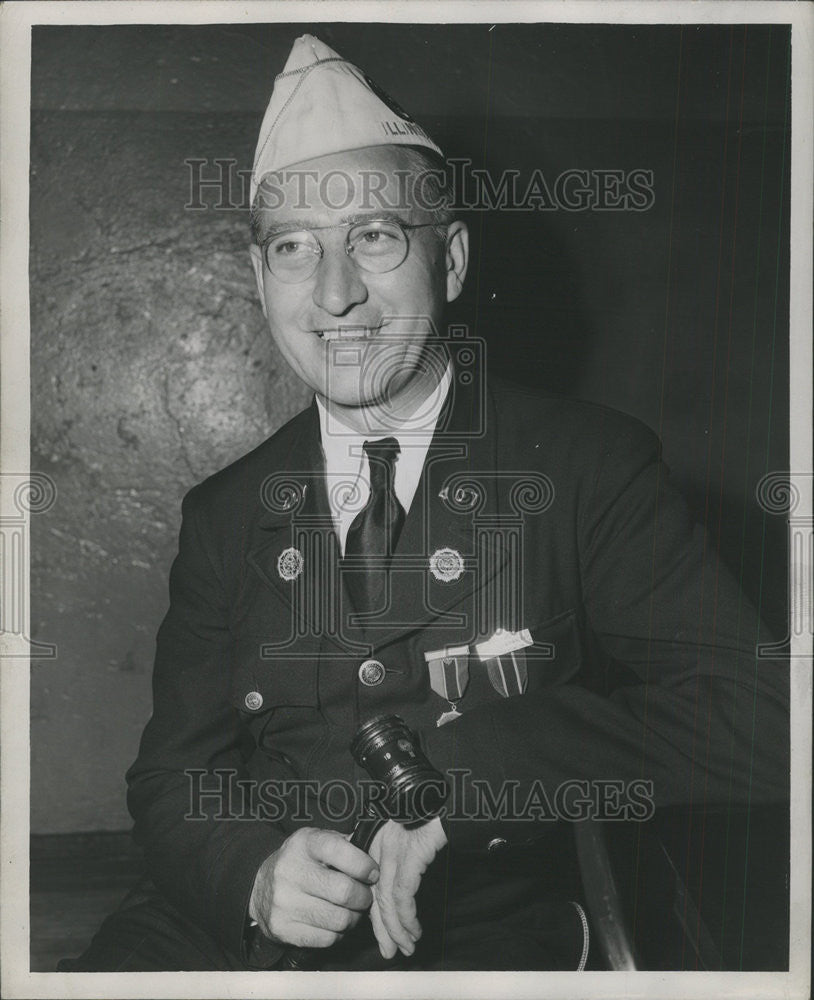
(449, 676)
(453, 713)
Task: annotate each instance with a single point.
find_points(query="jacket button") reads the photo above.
(371, 673)
(253, 701)
(497, 844)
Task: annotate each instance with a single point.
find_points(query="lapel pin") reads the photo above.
(446, 565)
(290, 564)
(294, 496)
(297, 497)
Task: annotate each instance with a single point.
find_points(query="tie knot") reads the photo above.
(382, 452)
(381, 456)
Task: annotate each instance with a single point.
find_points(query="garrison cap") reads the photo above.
(323, 104)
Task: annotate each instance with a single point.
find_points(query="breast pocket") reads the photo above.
(277, 696)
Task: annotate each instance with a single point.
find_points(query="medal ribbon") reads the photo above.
(508, 673)
(449, 672)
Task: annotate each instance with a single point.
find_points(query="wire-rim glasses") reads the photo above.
(375, 245)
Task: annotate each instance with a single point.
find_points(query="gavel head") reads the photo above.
(388, 750)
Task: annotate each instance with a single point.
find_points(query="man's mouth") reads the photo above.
(349, 333)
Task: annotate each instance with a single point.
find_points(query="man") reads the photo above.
(512, 575)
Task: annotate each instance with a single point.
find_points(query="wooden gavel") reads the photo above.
(412, 792)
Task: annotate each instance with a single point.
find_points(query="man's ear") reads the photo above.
(457, 258)
(257, 264)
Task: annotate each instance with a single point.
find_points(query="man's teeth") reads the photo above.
(347, 333)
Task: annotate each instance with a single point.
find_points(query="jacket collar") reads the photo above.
(442, 556)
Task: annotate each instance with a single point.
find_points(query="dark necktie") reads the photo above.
(376, 528)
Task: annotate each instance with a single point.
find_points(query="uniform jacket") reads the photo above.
(551, 516)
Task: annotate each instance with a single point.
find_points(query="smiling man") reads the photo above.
(376, 271)
(511, 574)
(340, 275)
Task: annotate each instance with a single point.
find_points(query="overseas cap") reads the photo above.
(323, 104)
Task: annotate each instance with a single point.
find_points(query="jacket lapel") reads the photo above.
(445, 560)
(297, 552)
(444, 555)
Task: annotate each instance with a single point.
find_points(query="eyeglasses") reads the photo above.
(377, 246)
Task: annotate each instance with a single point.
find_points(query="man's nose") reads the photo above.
(339, 285)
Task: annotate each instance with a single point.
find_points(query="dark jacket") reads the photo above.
(642, 666)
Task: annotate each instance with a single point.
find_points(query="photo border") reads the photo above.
(16, 21)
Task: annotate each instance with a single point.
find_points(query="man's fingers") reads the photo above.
(404, 900)
(322, 914)
(403, 857)
(339, 888)
(394, 927)
(309, 911)
(306, 936)
(387, 946)
(331, 848)
(383, 894)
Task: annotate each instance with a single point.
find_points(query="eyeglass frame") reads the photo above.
(403, 226)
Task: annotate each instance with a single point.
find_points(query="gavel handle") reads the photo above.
(309, 959)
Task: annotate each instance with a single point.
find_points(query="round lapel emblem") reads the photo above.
(446, 565)
(290, 564)
(253, 701)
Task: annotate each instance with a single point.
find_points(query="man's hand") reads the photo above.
(312, 889)
(403, 856)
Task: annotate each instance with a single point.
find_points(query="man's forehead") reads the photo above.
(280, 222)
(379, 181)
(373, 166)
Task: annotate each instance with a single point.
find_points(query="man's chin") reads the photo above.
(351, 400)
(360, 398)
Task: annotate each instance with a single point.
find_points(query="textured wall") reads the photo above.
(152, 370)
(151, 367)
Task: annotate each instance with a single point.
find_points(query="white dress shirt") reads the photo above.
(347, 472)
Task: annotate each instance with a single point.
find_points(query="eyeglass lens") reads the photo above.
(376, 246)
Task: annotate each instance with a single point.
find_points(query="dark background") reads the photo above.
(152, 367)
